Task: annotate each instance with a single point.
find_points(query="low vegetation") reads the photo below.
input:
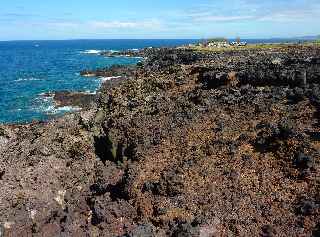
(284, 46)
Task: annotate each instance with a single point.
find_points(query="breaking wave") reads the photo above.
(92, 51)
(45, 104)
(103, 79)
(28, 79)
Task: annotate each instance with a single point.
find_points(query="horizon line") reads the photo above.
(88, 39)
(101, 39)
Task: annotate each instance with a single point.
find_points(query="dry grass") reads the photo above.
(249, 47)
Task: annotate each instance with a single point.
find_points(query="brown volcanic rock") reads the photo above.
(47, 174)
(220, 149)
(198, 144)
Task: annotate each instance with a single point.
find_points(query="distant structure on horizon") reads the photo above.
(238, 42)
(220, 43)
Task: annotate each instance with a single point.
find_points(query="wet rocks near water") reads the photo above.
(185, 144)
(124, 53)
(75, 99)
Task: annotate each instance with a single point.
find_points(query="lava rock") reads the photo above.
(303, 161)
(185, 230)
(307, 207)
(143, 231)
(267, 231)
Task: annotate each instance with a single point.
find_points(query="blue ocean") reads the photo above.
(28, 69)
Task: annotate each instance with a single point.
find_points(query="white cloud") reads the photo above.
(242, 10)
(147, 24)
(223, 18)
(112, 24)
(67, 25)
(291, 15)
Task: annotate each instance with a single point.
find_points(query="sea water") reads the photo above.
(28, 69)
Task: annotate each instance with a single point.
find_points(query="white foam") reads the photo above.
(48, 109)
(46, 105)
(92, 51)
(51, 109)
(125, 56)
(28, 79)
(103, 79)
(90, 92)
(46, 94)
(67, 109)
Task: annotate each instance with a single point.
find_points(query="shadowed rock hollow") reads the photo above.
(191, 144)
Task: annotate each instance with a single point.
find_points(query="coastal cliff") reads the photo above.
(187, 143)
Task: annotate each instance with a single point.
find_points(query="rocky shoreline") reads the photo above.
(138, 53)
(108, 72)
(186, 143)
(83, 100)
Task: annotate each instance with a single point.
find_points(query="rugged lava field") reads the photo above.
(185, 144)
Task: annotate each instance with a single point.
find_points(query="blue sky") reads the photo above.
(104, 19)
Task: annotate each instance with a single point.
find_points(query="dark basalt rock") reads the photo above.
(185, 230)
(316, 231)
(114, 71)
(303, 161)
(267, 231)
(76, 99)
(142, 231)
(307, 207)
(269, 135)
(263, 74)
(125, 53)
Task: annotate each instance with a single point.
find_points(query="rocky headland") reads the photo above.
(125, 53)
(186, 143)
